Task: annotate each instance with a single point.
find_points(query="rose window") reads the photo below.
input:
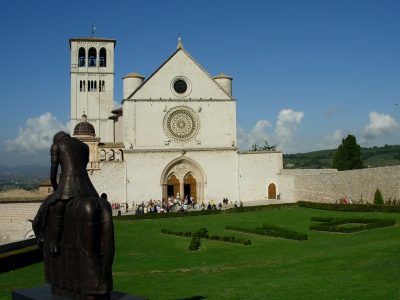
(181, 123)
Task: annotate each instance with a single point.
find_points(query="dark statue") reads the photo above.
(74, 227)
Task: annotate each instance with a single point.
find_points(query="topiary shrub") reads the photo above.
(378, 199)
(272, 231)
(194, 243)
(349, 225)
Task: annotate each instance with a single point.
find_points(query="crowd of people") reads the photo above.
(172, 204)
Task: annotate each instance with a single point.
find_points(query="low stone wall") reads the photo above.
(14, 224)
(328, 185)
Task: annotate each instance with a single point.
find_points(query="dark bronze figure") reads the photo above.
(74, 226)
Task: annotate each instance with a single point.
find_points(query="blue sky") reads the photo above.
(306, 73)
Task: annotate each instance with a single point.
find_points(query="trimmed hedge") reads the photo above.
(359, 224)
(194, 243)
(202, 233)
(230, 239)
(273, 231)
(201, 212)
(176, 233)
(351, 207)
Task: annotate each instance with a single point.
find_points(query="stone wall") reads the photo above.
(328, 185)
(257, 170)
(111, 179)
(14, 224)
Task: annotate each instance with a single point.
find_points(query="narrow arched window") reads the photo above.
(103, 86)
(95, 85)
(103, 57)
(81, 57)
(100, 86)
(84, 85)
(92, 57)
(80, 86)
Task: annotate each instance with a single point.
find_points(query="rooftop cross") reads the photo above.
(180, 44)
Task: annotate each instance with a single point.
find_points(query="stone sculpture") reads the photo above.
(74, 227)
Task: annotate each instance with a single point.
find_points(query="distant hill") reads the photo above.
(25, 177)
(389, 155)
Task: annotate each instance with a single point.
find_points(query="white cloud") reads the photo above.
(37, 135)
(380, 124)
(257, 135)
(286, 125)
(333, 140)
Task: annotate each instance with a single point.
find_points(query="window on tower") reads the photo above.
(92, 57)
(103, 57)
(101, 85)
(82, 57)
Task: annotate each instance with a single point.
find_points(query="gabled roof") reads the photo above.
(168, 59)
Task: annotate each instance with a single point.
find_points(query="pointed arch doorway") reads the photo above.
(183, 176)
(173, 186)
(189, 186)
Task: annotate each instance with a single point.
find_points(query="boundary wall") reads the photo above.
(330, 185)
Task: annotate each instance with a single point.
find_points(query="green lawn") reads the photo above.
(363, 265)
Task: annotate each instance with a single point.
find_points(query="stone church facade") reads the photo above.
(175, 133)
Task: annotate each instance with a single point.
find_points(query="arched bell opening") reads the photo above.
(92, 57)
(103, 57)
(81, 57)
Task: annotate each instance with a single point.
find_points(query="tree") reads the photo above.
(348, 155)
(378, 199)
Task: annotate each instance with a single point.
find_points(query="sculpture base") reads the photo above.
(44, 293)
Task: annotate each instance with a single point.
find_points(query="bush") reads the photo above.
(378, 199)
(177, 233)
(360, 224)
(230, 239)
(271, 230)
(203, 233)
(351, 207)
(194, 243)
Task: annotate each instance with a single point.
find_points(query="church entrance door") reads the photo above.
(173, 186)
(272, 191)
(190, 186)
(183, 176)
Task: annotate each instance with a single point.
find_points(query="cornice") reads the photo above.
(181, 150)
(92, 73)
(179, 100)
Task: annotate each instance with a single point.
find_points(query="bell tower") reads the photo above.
(92, 83)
